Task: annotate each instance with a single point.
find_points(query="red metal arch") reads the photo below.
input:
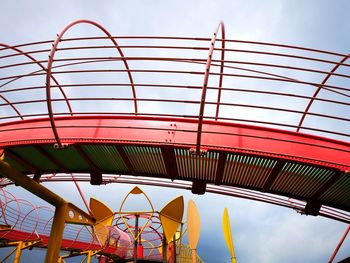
(206, 79)
(340, 63)
(49, 70)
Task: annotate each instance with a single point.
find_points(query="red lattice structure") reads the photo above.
(263, 121)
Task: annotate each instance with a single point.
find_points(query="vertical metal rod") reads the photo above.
(164, 249)
(339, 244)
(18, 252)
(181, 234)
(56, 234)
(136, 236)
(8, 255)
(174, 244)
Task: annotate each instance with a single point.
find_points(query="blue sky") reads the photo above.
(261, 233)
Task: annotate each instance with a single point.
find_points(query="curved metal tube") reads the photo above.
(34, 208)
(319, 89)
(12, 106)
(49, 70)
(3, 204)
(206, 79)
(43, 68)
(222, 66)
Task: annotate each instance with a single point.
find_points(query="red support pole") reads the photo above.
(339, 244)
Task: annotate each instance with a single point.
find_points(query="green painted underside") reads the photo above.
(295, 179)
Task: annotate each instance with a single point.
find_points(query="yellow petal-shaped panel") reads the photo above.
(193, 224)
(171, 217)
(227, 234)
(104, 219)
(100, 210)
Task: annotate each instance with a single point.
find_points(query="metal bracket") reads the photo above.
(75, 215)
(23, 244)
(201, 152)
(63, 146)
(5, 227)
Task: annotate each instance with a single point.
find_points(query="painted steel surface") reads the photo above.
(155, 131)
(235, 113)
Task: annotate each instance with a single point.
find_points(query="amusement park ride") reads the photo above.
(262, 121)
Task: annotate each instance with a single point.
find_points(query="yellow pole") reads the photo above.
(30, 185)
(89, 257)
(18, 252)
(56, 234)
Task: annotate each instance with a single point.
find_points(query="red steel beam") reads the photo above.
(233, 137)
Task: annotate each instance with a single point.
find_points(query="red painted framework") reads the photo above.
(196, 132)
(182, 133)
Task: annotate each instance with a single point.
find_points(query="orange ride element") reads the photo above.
(193, 228)
(171, 217)
(104, 219)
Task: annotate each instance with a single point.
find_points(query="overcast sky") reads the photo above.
(261, 233)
